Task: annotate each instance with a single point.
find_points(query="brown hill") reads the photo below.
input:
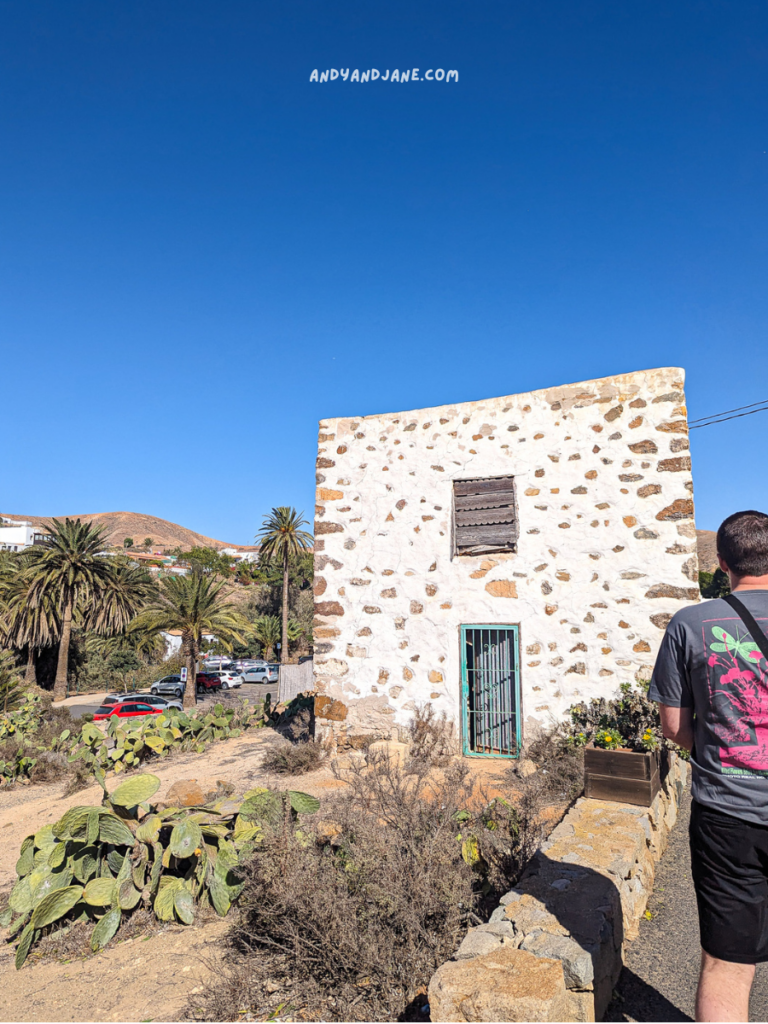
(707, 549)
(119, 525)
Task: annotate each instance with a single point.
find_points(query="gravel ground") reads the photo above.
(661, 969)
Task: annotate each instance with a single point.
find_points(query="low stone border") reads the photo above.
(553, 948)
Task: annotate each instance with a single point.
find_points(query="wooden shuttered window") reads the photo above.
(484, 515)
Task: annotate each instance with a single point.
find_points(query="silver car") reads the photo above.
(260, 674)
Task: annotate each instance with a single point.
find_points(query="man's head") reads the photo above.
(742, 544)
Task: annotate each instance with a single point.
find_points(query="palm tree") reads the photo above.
(192, 604)
(266, 629)
(11, 694)
(67, 578)
(126, 589)
(30, 625)
(281, 536)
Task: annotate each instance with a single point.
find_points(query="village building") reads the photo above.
(500, 559)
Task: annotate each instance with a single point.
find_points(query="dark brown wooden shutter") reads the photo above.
(485, 515)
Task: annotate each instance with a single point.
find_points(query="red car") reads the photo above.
(126, 709)
(208, 681)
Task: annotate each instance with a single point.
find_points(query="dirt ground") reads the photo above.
(139, 979)
(146, 978)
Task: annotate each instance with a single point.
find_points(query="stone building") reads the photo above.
(501, 559)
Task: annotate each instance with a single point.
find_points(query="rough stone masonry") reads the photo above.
(605, 548)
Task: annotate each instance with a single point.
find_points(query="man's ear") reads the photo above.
(722, 563)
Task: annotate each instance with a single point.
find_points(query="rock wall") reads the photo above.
(606, 552)
(553, 949)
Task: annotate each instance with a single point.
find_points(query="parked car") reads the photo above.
(145, 698)
(126, 709)
(261, 674)
(216, 662)
(230, 679)
(169, 685)
(208, 681)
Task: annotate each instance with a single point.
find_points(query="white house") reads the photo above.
(172, 639)
(501, 559)
(16, 535)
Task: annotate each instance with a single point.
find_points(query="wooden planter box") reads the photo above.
(622, 775)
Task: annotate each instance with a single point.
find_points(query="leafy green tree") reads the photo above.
(714, 584)
(194, 605)
(207, 562)
(281, 536)
(147, 542)
(128, 542)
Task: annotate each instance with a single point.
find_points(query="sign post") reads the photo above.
(184, 674)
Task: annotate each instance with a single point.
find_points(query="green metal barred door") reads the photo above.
(490, 690)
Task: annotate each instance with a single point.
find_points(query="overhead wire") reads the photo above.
(723, 417)
(738, 408)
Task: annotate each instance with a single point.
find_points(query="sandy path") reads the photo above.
(136, 980)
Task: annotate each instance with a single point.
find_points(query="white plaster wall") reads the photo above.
(607, 548)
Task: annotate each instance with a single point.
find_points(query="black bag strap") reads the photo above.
(746, 617)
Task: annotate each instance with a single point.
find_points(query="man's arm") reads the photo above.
(677, 725)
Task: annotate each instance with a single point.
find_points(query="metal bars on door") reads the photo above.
(490, 690)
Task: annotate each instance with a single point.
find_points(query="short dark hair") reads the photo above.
(742, 543)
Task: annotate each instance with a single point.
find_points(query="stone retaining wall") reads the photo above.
(553, 949)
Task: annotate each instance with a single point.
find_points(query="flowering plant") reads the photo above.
(627, 720)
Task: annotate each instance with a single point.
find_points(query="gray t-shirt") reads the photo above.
(708, 661)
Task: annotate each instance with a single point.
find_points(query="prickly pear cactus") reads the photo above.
(99, 863)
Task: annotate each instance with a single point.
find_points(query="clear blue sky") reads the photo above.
(202, 253)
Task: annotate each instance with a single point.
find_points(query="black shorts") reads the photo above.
(729, 862)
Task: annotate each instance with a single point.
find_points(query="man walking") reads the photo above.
(711, 682)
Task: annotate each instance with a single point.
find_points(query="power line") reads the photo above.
(738, 408)
(723, 418)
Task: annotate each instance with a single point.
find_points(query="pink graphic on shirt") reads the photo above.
(738, 686)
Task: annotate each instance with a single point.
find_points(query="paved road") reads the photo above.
(661, 969)
(252, 691)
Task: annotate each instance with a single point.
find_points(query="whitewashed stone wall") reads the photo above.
(606, 554)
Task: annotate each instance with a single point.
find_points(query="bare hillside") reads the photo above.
(705, 544)
(119, 525)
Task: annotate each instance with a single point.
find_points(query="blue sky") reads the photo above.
(202, 253)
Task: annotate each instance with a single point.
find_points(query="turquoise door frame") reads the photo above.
(490, 690)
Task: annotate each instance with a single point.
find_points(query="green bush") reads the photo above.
(101, 863)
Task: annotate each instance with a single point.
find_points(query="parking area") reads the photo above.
(89, 703)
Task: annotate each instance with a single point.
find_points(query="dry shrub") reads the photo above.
(294, 759)
(50, 765)
(74, 939)
(348, 917)
(433, 737)
(79, 778)
(558, 780)
(560, 764)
